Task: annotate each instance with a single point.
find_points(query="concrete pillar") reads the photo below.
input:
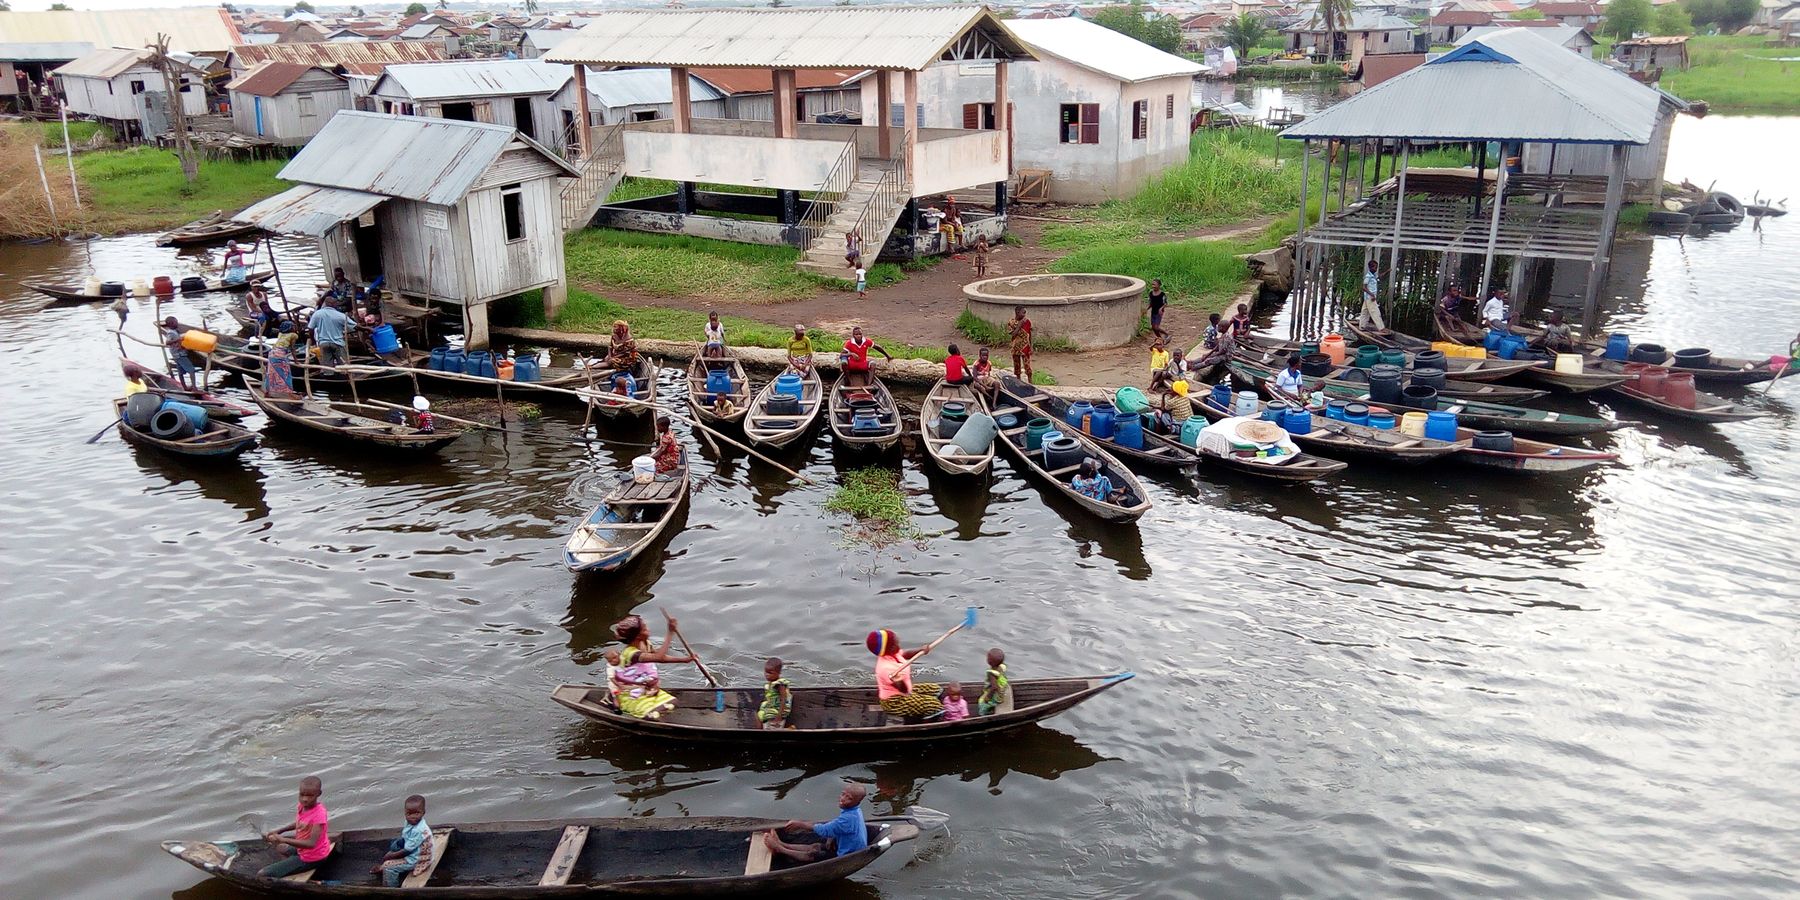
(582, 138)
(884, 99)
(790, 207)
(999, 198)
(909, 119)
(475, 316)
(784, 103)
(681, 92)
(554, 297)
(684, 197)
(1002, 117)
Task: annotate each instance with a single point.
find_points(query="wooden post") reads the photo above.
(1300, 291)
(1602, 262)
(583, 140)
(1325, 185)
(680, 90)
(1487, 262)
(1002, 119)
(1399, 216)
(909, 120)
(884, 119)
(1344, 173)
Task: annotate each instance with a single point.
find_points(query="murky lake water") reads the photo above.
(1380, 686)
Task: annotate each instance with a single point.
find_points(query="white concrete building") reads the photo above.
(124, 89)
(286, 103)
(1100, 112)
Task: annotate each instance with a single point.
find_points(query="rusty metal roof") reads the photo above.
(834, 37)
(414, 157)
(270, 79)
(334, 53)
(475, 78)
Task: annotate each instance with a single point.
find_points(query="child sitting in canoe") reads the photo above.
(956, 708)
(410, 853)
(894, 686)
(841, 836)
(778, 697)
(998, 689)
(311, 828)
(1091, 482)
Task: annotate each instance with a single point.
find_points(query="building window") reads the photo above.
(644, 115)
(1169, 107)
(512, 208)
(978, 116)
(1140, 120)
(1080, 123)
(305, 103)
(137, 87)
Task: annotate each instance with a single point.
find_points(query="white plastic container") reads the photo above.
(1568, 363)
(1244, 404)
(643, 469)
(139, 288)
(91, 287)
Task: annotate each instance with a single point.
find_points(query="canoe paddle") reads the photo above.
(102, 432)
(967, 622)
(718, 693)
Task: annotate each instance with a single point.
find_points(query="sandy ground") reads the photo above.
(922, 310)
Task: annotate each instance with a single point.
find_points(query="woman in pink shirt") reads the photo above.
(311, 842)
(899, 696)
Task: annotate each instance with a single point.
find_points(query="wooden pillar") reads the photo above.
(1602, 262)
(1487, 261)
(1325, 184)
(1002, 121)
(1516, 282)
(909, 119)
(681, 92)
(583, 140)
(784, 103)
(884, 106)
(1399, 216)
(1297, 300)
(1344, 173)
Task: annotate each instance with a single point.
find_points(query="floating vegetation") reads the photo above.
(872, 496)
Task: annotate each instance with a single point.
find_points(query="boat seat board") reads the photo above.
(440, 839)
(301, 877)
(562, 862)
(655, 491)
(760, 859)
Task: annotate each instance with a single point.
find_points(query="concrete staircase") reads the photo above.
(825, 256)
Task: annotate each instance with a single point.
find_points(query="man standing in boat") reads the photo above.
(1371, 292)
(329, 328)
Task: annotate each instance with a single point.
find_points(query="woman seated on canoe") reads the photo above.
(899, 696)
(622, 353)
(800, 351)
(668, 449)
(856, 358)
(636, 684)
(234, 269)
(1092, 483)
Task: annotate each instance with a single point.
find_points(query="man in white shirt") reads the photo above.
(1371, 308)
(1496, 312)
(1288, 383)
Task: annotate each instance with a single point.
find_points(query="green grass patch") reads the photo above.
(677, 265)
(1200, 275)
(1042, 378)
(1296, 72)
(638, 188)
(142, 188)
(979, 331)
(79, 133)
(1736, 74)
(872, 495)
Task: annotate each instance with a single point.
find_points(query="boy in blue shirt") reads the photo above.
(842, 836)
(411, 851)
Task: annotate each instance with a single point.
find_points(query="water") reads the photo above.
(1378, 686)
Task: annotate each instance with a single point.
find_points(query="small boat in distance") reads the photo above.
(68, 293)
(206, 230)
(351, 422)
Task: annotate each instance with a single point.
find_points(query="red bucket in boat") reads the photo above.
(163, 285)
(1678, 389)
(1653, 381)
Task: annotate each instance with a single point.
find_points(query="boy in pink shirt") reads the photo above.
(311, 842)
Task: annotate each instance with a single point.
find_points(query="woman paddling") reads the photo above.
(894, 685)
(640, 695)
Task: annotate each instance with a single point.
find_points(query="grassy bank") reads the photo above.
(1199, 275)
(1304, 72)
(589, 313)
(1737, 74)
(674, 265)
(142, 189)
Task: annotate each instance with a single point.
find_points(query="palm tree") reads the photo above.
(1245, 32)
(443, 4)
(531, 7)
(1334, 15)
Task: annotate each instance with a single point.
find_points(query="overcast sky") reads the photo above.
(273, 7)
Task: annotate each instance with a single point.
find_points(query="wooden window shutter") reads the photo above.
(971, 115)
(1090, 123)
(1170, 114)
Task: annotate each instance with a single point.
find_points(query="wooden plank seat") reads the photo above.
(440, 839)
(653, 492)
(760, 858)
(300, 877)
(1065, 470)
(562, 862)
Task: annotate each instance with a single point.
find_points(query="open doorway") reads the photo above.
(365, 238)
(461, 112)
(522, 117)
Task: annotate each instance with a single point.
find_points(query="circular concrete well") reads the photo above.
(1091, 311)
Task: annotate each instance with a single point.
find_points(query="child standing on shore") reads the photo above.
(410, 853)
(311, 827)
(862, 283)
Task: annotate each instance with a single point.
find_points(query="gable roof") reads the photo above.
(333, 53)
(110, 62)
(638, 87)
(547, 38)
(191, 28)
(271, 78)
(1360, 20)
(413, 157)
(833, 37)
(1560, 35)
(1567, 8)
(1452, 17)
(1511, 85)
(421, 31)
(477, 78)
(1101, 50)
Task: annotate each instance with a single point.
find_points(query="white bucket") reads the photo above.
(1244, 404)
(139, 288)
(1568, 363)
(91, 287)
(643, 469)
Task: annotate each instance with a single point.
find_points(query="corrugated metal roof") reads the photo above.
(1360, 20)
(477, 78)
(546, 38)
(1511, 85)
(107, 63)
(762, 81)
(420, 31)
(1561, 35)
(45, 51)
(1101, 50)
(418, 158)
(644, 87)
(270, 79)
(308, 210)
(836, 37)
(333, 53)
(191, 28)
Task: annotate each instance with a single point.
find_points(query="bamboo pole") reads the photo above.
(436, 415)
(1399, 215)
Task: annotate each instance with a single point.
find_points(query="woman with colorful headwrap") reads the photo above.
(642, 696)
(622, 351)
(899, 696)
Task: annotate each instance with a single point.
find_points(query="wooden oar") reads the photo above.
(967, 622)
(102, 432)
(718, 694)
(1787, 363)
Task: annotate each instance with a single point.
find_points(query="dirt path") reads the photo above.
(922, 309)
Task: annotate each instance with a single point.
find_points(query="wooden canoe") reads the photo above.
(626, 523)
(942, 452)
(352, 423)
(1589, 379)
(1355, 377)
(828, 716)
(1721, 370)
(1158, 451)
(780, 430)
(222, 439)
(841, 415)
(644, 374)
(207, 230)
(1130, 507)
(1530, 457)
(700, 399)
(655, 856)
(1347, 440)
(1707, 407)
(244, 357)
(63, 293)
(1292, 469)
(216, 407)
(1466, 370)
(1516, 419)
